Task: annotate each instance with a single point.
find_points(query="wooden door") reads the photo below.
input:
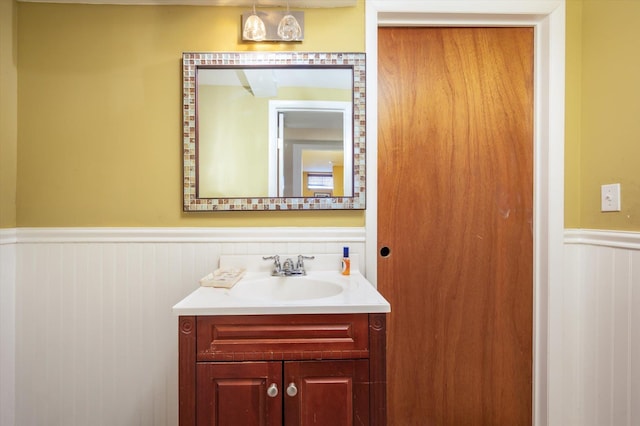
(455, 191)
(334, 393)
(235, 393)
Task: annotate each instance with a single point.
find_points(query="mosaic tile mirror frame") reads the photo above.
(197, 199)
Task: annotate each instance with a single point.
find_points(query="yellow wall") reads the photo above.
(100, 111)
(236, 166)
(338, 181)
(8, 113)
(573, 108)
(99, 105)
(609, 123)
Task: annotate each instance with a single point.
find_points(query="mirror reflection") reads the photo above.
(274, 131)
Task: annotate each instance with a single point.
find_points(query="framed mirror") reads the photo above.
(273, 131)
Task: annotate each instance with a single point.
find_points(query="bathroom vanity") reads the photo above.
(286, 359)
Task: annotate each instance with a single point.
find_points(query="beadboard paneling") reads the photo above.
(566, 346)
(603, 351)
(96, 338)
(7, 326)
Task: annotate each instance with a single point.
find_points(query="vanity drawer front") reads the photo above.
(282, 337)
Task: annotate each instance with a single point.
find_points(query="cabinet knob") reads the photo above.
(292, 390)
(272, 391)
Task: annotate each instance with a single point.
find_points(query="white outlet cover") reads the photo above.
(610, 196)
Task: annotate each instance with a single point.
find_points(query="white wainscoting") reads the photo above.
(96, 338)
(7, 326)
(88, 337)
(602, 346)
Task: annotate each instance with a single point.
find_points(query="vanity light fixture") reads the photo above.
(273, 25)
(254, 28)
(289, 29)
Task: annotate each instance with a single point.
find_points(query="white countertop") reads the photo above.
(358, 296)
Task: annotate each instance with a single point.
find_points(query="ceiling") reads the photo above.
(321, 78)
(306, 4)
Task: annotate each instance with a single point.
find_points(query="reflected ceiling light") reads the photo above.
(289, 29)
(254, 27)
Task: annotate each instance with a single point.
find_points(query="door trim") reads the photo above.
(548, 20)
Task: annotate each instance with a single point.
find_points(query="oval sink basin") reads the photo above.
(285, 288)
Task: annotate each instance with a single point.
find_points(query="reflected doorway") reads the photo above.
(310, 149)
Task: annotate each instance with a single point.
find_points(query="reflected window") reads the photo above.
(320, 181)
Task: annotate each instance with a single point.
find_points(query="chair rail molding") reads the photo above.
(8, 236)
(194, 235)
(608, 238)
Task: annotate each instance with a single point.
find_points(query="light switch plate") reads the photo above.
(610, 195)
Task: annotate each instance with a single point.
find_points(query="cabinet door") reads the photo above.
(332, 393)
(232, 394)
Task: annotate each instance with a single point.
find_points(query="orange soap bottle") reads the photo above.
(346, 262)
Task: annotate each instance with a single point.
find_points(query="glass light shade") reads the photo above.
(254, 28)
(289, 28)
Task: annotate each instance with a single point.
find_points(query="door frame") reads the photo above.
(275, 145)
(547, 17)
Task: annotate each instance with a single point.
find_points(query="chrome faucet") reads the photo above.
(288, 267)
(277, 268)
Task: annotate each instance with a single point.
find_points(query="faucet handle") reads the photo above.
(276, 261)
(275, 257)
(301, 260)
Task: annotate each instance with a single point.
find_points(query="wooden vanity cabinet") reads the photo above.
(289, 370)
(236, 393)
